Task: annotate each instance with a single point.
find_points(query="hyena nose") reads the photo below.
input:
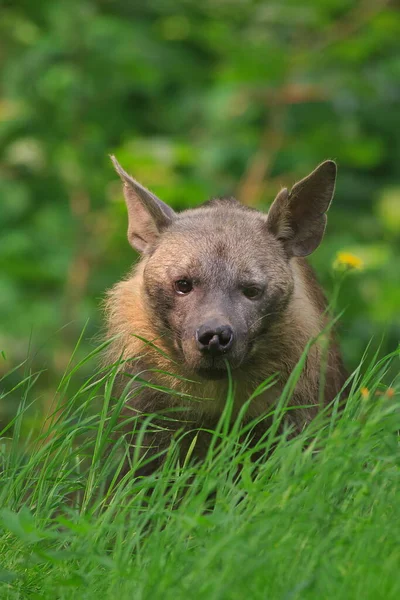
(214, 339)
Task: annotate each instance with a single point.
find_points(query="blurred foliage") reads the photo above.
(196, 99)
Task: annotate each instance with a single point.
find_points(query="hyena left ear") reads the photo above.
(298, 218)
(148, 216)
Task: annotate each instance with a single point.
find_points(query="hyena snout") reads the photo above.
(214, 338)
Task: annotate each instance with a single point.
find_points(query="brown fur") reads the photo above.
(203, 234)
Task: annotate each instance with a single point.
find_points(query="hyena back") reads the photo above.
(223, 284)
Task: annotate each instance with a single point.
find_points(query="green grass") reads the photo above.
(319, 519)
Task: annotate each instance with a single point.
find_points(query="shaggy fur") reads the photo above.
(218, 246)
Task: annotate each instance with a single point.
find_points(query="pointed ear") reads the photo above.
(298, 218)
(148, 216)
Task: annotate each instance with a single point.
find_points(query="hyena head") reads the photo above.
(215, 277)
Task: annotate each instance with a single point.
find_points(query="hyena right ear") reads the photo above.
(148, 215)
(298, 218)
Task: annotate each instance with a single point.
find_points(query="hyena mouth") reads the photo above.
(216, 369)
(213, 373)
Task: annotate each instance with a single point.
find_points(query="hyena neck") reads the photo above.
(309, 319)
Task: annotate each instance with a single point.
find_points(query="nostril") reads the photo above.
(206, 337)
(226, 336)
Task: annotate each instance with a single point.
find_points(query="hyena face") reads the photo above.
(215, 277)
(213, 281)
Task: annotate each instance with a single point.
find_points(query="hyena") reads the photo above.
(223, 287)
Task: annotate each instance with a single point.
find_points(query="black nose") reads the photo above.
(214, 339)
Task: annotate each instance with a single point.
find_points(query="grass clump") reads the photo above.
(318, 519)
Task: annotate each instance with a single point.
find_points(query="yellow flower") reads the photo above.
(364, 393)
(348, 261)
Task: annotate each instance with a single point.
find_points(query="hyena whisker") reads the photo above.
(271, 314)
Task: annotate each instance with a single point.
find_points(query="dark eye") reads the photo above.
(183, 286)
(251, 291)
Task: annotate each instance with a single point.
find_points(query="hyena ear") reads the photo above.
(298, 218)
(148, 215)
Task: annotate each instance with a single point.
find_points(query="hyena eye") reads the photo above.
(183, 286)
(251, 291)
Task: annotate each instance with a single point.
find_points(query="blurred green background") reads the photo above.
(196, 99)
